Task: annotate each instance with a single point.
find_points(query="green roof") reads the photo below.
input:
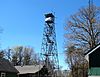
(95, 71)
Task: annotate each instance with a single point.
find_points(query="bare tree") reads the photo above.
(1, 54)
(22, 55)
(76, 61)
(17, 55)
(70, 53)
(27, 55)
(83, 28)
(14, 58)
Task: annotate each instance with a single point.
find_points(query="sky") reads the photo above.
(23, 22)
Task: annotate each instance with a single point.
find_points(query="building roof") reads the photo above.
(93, 49)
(28, 69)
(6, 66)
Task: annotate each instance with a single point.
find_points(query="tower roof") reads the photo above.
(49, 15)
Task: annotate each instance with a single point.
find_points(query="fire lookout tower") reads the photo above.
(49, 46)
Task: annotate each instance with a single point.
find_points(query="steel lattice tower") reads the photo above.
(49, 46)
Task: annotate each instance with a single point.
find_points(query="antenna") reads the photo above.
(91, 7)
(90, 4)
